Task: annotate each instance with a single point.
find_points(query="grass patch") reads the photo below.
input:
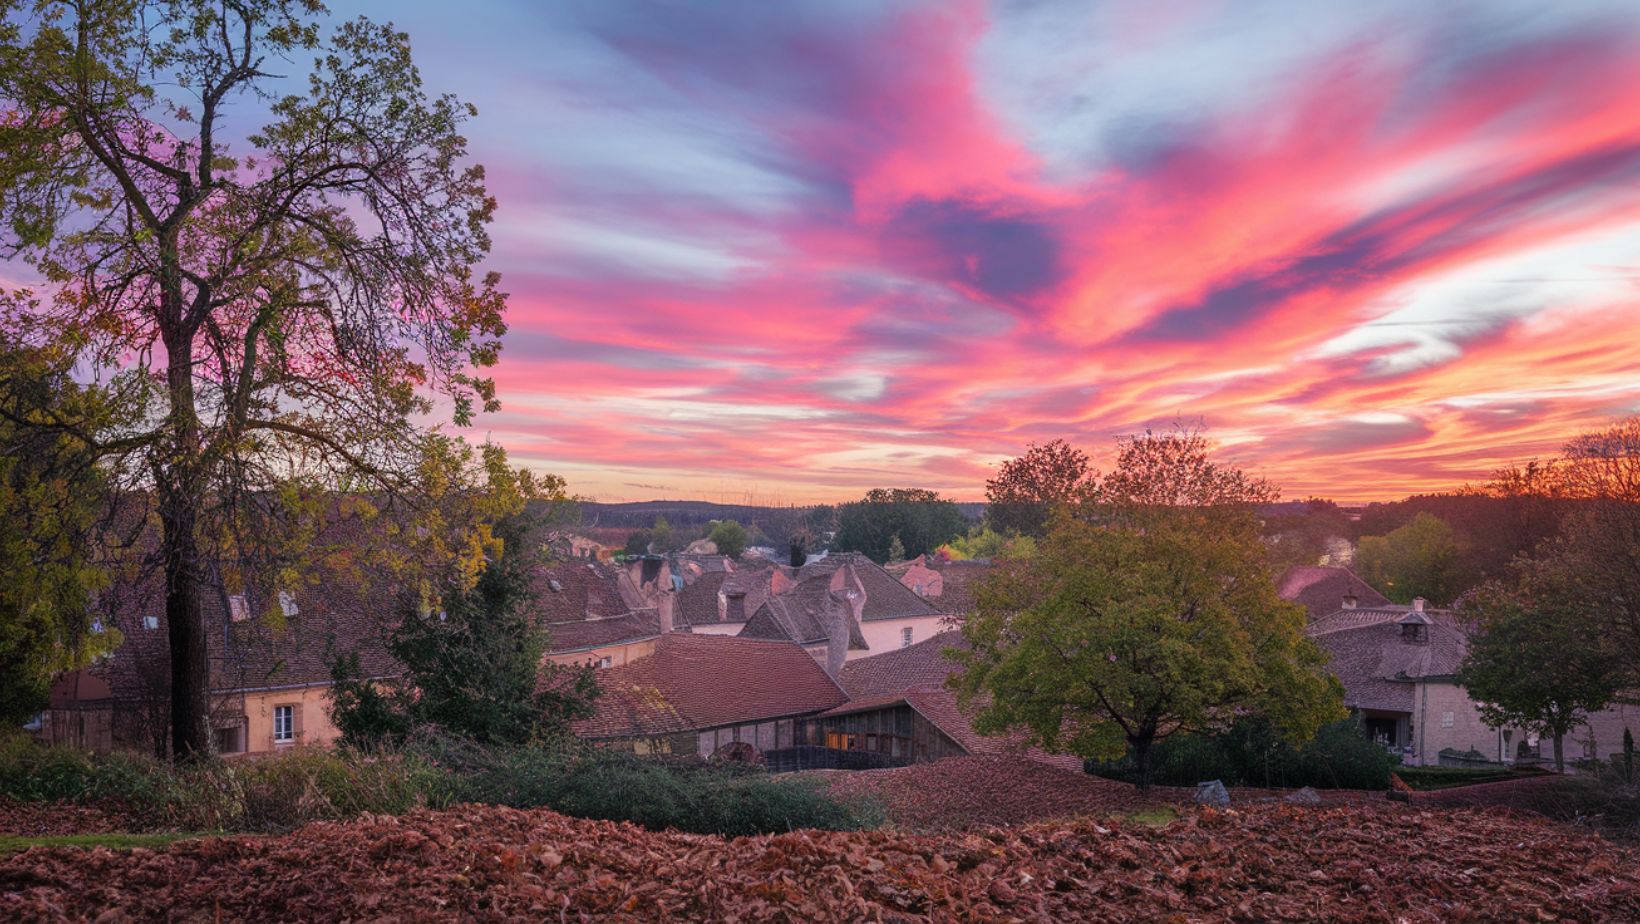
(11, 843)
(1159, 817)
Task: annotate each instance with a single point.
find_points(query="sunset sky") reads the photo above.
(787, 252)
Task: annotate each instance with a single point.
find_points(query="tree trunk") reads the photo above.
(181, 496)
(1141, 758)
(1560, 753)
(190, 659)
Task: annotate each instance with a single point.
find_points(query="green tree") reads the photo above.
(472, 666)
(1027, 490)
(987, 544)
(52, 496)
(1155, 615)
(663, 538)
(1416, 560)
(921, 519)
(729, 537)
(637, 542)
(295, 302)
(1534, 662)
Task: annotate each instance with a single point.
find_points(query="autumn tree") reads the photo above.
(1593, 560)
(1416, 560)
(292, 298)
(729, 537)
(921, 520)
(1534, 662)
(1152, 614)
(1026, 490)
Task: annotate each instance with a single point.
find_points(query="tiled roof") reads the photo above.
(1377, 664)
(916, 665)
(698, 601)
(958, 580)
(705, 681)
(886, 597)
(594, 633)
(939, 706)
(1321, 589)
(571, 591)
(802, 614)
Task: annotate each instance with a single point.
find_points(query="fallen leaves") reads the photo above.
(1264, 861)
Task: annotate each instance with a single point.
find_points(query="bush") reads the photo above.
(1431, 778)
(1251, 753)
(281, 791)
(688, 795)
(252, 794)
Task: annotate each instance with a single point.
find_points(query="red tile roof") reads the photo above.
(922, 664)
(705, 681)
(939, 706)
(1321, 589)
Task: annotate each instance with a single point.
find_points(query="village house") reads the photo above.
(710, 695)
(1323, 588)
(883, 615)
(721, 602)
(947, 585)
(1398, 666)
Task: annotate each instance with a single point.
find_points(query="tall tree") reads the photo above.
(293, 297)
(1534, 662)
(1417, 560)
(1027, 490)
(1154, 615)
(921, 519)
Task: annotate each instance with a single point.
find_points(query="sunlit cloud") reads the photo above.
(800, 250)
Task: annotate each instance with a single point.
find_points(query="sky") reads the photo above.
(784, 252)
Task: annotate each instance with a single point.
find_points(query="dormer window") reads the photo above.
(150, 623)
(287, 604)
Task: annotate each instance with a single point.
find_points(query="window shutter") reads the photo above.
(296, 721)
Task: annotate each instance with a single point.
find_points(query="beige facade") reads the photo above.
(884, 635)
(309, 720)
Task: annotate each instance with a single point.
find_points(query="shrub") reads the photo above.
(688, 795)
(1251, 753)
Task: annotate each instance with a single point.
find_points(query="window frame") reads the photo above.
(289, 736)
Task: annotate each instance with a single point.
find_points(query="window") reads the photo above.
(150, 622)
(238, 609)
(284, 727)
(287, 604)
(1446, 720)
(605, 662)
(905, 637)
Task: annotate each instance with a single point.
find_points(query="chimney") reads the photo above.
(1417, 604)
(837, 614)
(666, 605)
(1350, 600)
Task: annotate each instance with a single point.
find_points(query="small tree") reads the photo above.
(1417, 560)
(1154, 614)
(1534, 663)
(473, 667)
(637, 542)
(729, 537)
(1027, 490)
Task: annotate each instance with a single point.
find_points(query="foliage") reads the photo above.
(290, 307)
(1252, 753)
(52, 498)
(473, 666)
(922, 520)
(896, 549)
(1027, 490)
(985, 544)
(1153, 615)
(1430, 779)
(685, 795)
(637, 543)
(1416, 560)
(1592, 562)
(1304, 536)
(729, 537)
(1535, 662)
(269, 793)
(1491, 525)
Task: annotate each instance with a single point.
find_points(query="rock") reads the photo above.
(1212, 793)
(1305, 796)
